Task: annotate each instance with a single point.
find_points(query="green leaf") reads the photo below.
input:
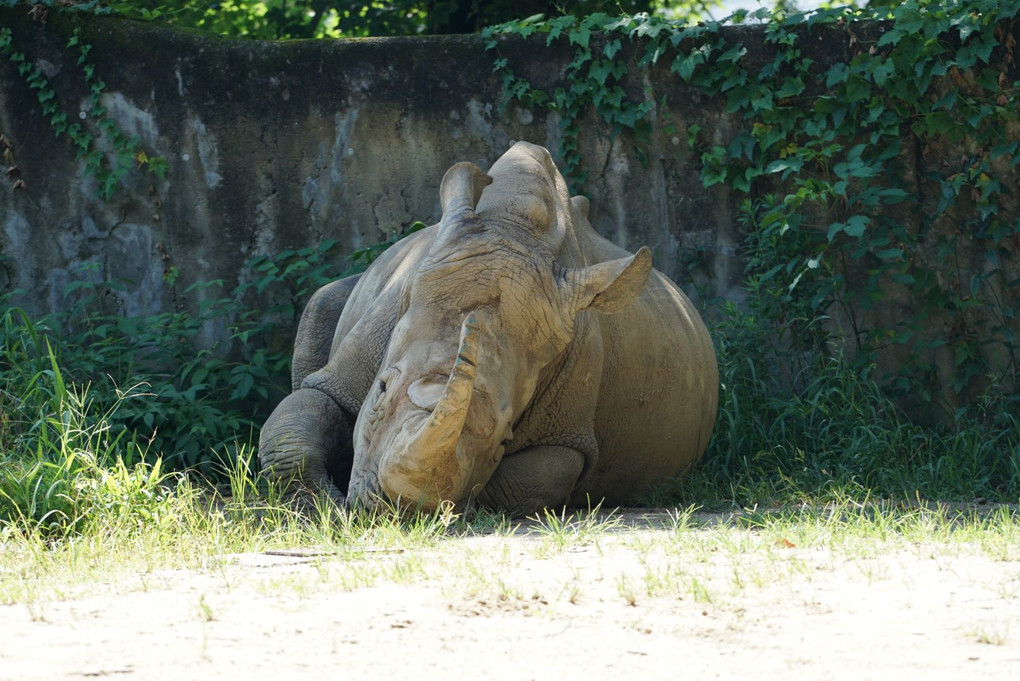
(853, 227)
(890, 254)
(856, 225)
(762, 100)
(600, 71)
(904, 279)
(732, 55)
(557, 26)
(742, 146)
(621, 23)
(580, 37)
(791, 87)
(684, 65)
(713, 170)
(857, 89)
(785, 166)
(882, 71)
(890, 37)
(243, 387)
(893, 195)
(647, 27)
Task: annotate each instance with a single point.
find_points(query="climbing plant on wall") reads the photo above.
(869, 178)
(107, 153)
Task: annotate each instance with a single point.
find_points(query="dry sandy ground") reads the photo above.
(634, 602)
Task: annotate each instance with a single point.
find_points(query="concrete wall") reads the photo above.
(273, 146)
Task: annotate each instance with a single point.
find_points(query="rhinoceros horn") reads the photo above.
(432, 467)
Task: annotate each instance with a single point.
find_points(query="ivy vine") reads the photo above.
(595, 75)
(109, 169)
(860, 181)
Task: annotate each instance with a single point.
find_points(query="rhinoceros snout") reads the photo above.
(408, 440)
(364, 494)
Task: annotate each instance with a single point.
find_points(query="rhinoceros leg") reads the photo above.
(314, 338)
(532, 479)
(306, 443)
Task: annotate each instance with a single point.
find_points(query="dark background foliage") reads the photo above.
(289, 19)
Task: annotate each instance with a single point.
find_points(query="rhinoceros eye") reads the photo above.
(384, 380)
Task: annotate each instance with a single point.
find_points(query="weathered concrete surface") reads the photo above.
(273, 146)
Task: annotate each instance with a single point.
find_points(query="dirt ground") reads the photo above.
(639, 601)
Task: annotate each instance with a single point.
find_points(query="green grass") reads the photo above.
(82, 497)
(560, 530)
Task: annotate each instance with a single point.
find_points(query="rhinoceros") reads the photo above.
(507, 357)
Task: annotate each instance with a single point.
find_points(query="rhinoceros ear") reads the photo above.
(462, 187)
(580, 205)
(610, 286)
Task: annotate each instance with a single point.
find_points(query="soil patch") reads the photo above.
(635, 599)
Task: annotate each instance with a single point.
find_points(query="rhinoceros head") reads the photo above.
(482, 316)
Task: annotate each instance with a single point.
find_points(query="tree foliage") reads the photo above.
(283, 19)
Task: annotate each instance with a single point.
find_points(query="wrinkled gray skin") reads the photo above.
(508, 356)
